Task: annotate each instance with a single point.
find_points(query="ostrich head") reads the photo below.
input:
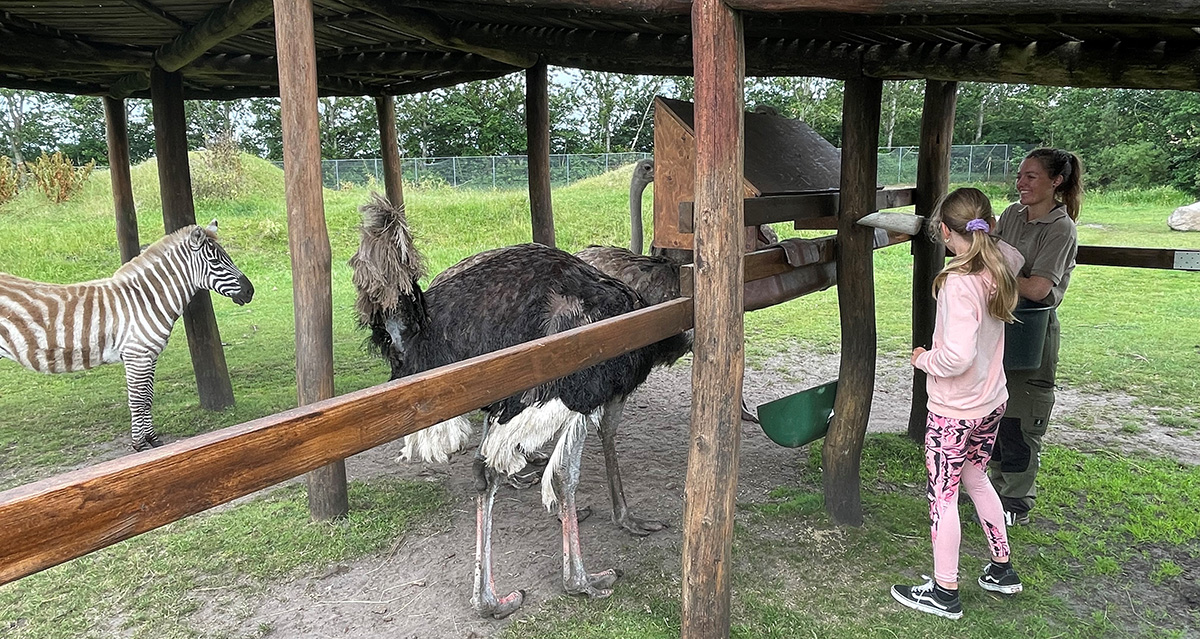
(643, 175)
(386, 269)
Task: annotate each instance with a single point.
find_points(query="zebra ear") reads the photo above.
(212, 226)
(196, 237)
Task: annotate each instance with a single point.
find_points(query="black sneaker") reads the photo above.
(1012, 518)
(931, 598)
(1000, 579)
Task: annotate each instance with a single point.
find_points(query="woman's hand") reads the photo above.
(915, 354)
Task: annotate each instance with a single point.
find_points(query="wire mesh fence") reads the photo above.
(897, 165)
(968, 163)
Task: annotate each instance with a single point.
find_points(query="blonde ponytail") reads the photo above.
(959, 210)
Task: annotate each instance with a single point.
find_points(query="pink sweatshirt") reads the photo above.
(965, 367)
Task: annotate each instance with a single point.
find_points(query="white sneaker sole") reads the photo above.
(1005, 590)
(924, 608)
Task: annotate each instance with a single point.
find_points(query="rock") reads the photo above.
(1185, 218)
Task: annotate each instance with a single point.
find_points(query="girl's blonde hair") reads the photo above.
(956, 210)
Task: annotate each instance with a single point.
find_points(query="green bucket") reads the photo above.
(800, 418)
(1024, 338)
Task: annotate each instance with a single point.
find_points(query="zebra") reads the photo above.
(56, 328)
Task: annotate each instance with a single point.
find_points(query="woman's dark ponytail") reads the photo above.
(1058, 162)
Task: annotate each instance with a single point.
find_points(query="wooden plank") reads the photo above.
(1138, 9)
(719, 362)
(674, 177)
(219, 25)
(308, 236)
(117, 136)
(807, 210)
(69, 515)
(389, 148)
(842, 449)
(1131, 257)
(175, 184)
(929, 256)
(537, 134)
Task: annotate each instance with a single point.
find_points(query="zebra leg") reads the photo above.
(608, 439)
(139, 383)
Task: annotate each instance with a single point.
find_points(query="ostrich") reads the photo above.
(511, 296)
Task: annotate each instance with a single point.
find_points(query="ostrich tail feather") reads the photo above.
(437, 442)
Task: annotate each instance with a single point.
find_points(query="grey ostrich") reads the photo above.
(507, 297)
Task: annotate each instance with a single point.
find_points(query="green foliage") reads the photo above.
(10, 179)
(57, 176)
(219, 174)
(1129, 166)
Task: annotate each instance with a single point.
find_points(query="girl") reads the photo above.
(1042, 227)
(976, 294)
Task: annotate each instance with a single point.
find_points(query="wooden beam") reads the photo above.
(37, 54)
(130, 84)
(1140, 9)
(389, 148)
(175, 184)
(219, 25)
(157, 13)
(360, 64)
(308, 235)
(537, 136)
(929, 256)
(719, 363)
(769, 209)
(67, 516)
(1172, 259)
(118, 173)
(430, 27)
(606, 7)
(842, 451)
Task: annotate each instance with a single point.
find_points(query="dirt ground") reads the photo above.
(421, 588)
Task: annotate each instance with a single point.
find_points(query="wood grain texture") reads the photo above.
(219, 25)
(929, 256)
(63, 517)
(806, 210)
(719, 358)
(537, 132)
(117, 136)
(1126, 256)
(1177, 9)
(389, 148)
(175, 184)
(308, 237)
(842, 450)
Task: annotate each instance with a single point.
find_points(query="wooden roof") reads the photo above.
(226, 49)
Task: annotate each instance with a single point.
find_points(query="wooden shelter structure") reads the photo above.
(172, 50)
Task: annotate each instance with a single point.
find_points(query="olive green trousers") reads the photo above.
(1016, 456)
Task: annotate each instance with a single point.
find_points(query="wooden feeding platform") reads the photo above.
(790, 174)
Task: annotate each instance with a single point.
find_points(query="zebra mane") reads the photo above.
(386, 265)
(155, 251)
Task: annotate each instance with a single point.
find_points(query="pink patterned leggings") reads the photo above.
(957, 451)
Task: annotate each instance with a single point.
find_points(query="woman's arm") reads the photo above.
(1034, 287)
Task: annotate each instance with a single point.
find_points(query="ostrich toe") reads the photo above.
(638, 526)
(747, 414)
(596, 585)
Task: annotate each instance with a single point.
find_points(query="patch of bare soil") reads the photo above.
(422, 587)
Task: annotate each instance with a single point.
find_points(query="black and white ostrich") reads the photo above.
(510, 296)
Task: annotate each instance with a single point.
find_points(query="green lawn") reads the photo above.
(1112, 522)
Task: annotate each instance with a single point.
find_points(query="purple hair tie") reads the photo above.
(977, 224)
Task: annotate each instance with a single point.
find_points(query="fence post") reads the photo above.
(568, 169)
(493, 173)
(899, 164)
(1006, 161)
(970, 160)
(337, 174)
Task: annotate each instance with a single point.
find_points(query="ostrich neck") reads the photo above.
(636, 188)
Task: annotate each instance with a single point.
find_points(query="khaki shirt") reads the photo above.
(1049, 245)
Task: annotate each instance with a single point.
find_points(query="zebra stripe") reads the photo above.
(55, 328)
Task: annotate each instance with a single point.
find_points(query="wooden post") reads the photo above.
(389, 148)
(308, 237)
(537, 132)
(719, 362)
(933, 178)
(842, 451)
(175, 183)
(118, 173)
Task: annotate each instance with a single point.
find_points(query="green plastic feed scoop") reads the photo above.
(800, 418)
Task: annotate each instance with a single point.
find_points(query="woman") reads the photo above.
(1042, 227)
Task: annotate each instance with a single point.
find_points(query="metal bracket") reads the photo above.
(1187, 260)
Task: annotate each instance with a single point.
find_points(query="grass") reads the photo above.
(1122, 525)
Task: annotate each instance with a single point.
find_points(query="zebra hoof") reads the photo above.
(149, 442)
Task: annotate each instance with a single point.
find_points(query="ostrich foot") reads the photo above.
(597, 585)
(531, 474)
(637, 526)
(580, 514)
(151, 441)
(747, 414)
(501, 608)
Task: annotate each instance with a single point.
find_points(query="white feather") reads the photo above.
(577, 428)
(437, 442)
(505, 446)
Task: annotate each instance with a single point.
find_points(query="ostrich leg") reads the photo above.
(484, 599)
(576, 579)
(608, 438)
